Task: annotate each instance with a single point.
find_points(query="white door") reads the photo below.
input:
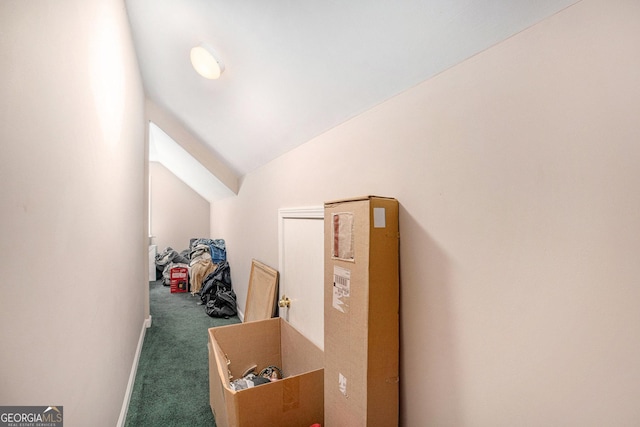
(302, 270)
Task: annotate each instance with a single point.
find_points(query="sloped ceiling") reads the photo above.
(163, 149)
(295, 69)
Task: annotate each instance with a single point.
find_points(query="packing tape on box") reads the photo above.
(290, 394)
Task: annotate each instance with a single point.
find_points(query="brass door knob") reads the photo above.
(284, 302)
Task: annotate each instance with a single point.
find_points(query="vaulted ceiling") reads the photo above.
(294, 69)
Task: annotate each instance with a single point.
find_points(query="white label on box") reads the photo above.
(379, 218)
(341, 288)
(342, 236)
(342, 384)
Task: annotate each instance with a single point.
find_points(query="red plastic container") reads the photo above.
(179, 279)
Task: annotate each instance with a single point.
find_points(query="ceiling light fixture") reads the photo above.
(205, 62)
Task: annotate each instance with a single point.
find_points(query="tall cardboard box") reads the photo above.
(361, 312)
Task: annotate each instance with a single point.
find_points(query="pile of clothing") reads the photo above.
(168, 259)
(209, 274)
(216, 295)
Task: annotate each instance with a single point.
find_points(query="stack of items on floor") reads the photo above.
(251, 379)
(168, 259)
(208, 271)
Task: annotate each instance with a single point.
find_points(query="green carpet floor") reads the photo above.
(172, 381)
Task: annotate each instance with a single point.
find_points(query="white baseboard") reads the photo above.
(241, 315)
(132, 375)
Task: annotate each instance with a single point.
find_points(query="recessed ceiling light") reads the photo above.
(205, 62)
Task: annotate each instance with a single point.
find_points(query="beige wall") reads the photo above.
(177, 212)
(73, 207)
(517, 173)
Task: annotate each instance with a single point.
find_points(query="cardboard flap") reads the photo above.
(291, 402)
(246, 344)
(218, 381)
(262, 293)
(299, 355)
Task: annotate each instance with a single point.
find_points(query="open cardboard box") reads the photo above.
(297, 399)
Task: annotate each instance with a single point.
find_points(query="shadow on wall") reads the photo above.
(429, 373)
